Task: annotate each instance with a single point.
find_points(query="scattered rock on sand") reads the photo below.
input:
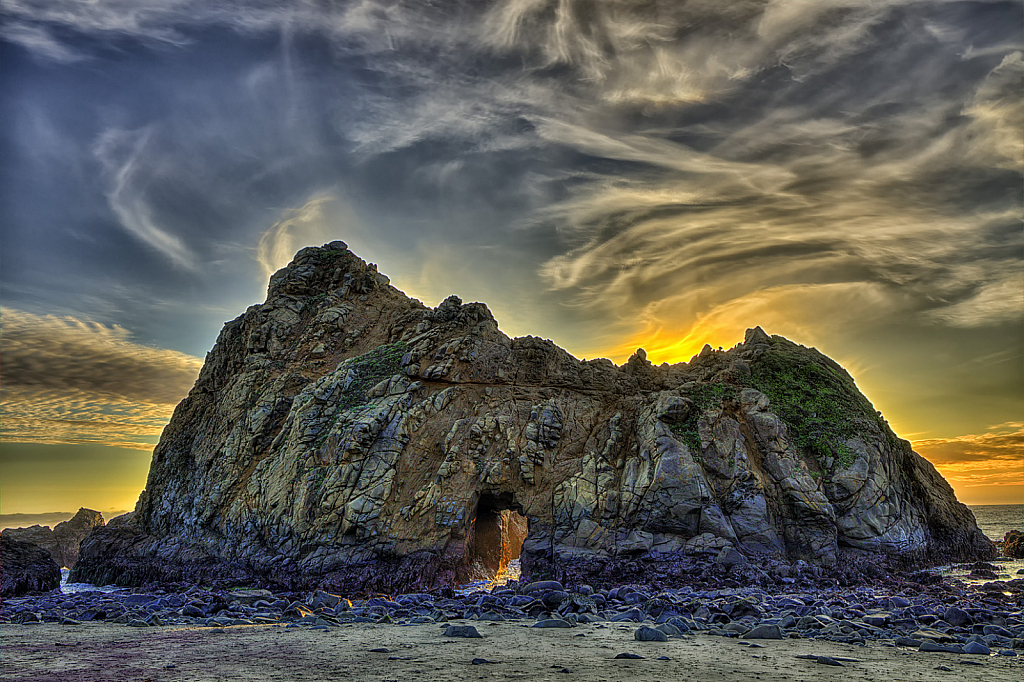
(930, 646)
(765, 632)
(462, 631)
(646, 634)
(552, 623)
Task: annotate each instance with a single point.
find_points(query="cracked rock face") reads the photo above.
(25, 568)
(342, 435)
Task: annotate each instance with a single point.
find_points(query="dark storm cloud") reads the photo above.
(668, 169)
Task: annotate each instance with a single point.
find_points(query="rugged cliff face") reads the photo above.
(346, 436)
(64, 540)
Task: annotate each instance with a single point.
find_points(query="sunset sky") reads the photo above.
(607, 174)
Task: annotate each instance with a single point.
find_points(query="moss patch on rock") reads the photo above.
(818, 401)
(704, 397)
(816, 398)
(369, 369)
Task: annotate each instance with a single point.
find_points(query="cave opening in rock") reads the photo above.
(498, 531)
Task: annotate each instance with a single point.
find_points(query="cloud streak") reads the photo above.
(121, 153)
(979, 460)
(298, 228)
(67, 380)
(44, 352)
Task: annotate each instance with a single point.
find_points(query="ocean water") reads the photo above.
(995, 520)
(71, 588)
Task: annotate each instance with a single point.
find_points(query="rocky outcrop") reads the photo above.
(64, 540)
(25, 568)
(1013, 544)
(345, 436)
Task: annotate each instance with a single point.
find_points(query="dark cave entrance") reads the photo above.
(496, 539)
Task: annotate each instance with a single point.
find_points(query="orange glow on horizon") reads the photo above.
(670, 346)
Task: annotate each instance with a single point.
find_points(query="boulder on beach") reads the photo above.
(1013, 544)
(25, 568)
(344, 436)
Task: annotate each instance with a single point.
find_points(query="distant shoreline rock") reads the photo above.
(344, 436)
(64, 540)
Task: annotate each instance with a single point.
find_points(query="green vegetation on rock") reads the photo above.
(317, 476)
(817, 400)
(343, 258)
(704, 397)
(369, 370)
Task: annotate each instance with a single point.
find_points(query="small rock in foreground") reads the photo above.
(765, 632)
(462, 631)
(646, 634)
(552, 623)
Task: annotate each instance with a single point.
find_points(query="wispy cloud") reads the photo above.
(300, 227)
(998, 114)
(40, 41)
(122, 154)
(53, 353)
(992, 303)
(67, 380)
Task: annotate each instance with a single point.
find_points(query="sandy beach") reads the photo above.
(102, 652)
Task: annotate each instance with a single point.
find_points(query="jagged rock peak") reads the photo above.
(343, 435)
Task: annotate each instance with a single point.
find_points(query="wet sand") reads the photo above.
(94, 652)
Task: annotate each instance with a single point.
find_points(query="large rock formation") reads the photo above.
(64, 540)
(25, 568)
(346, 436)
